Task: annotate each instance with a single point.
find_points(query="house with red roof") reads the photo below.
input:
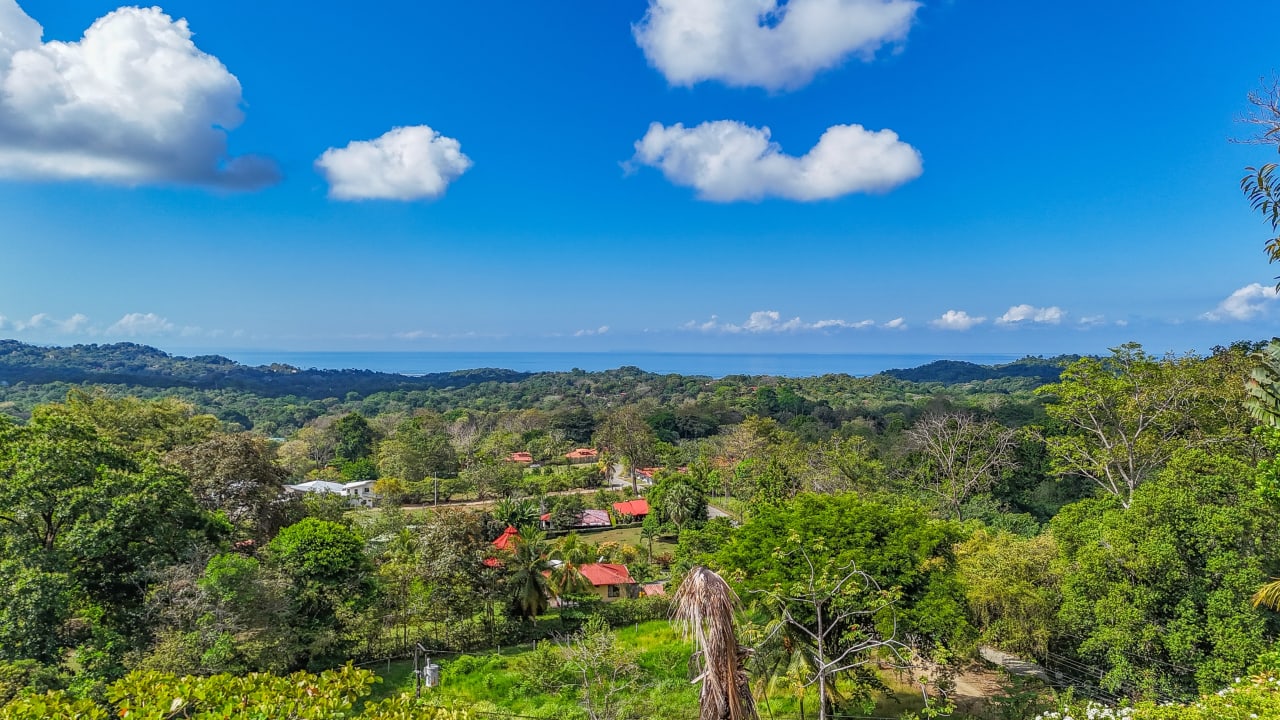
(582, 455)
(632, 510)
(611, 581)
(520, 457)
(506, 542)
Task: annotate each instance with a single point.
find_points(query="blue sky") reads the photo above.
(992, 176)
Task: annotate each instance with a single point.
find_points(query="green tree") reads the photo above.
(331, 584)
(1123, 417)
(624, 434)
(355, 440)
(527, 566)
(517, 512)
(419, 449)
(1011, 584)
(83, 525)
(897, 543)
(1158, 594)
(237, 475)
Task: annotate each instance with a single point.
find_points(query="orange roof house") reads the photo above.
(581, 455)
(610, 580)
(520, 457)
(637, 508)
(506, 542)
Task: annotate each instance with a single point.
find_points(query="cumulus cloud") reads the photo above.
(1247, 303)
(140, 325)
(1029, 314)
(766, 43)
(726, 161)
(770, 321)
(956, 320)
(896, 324)
(134, 101)
(597, 331)
(406, 163)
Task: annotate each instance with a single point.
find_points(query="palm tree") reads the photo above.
(572, 552)
(517, 512)
(1263, 386)
(703, 608)
(528, 571)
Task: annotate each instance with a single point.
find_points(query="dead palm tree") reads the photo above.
(703, 608)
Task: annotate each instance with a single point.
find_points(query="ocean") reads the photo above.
(711, 364)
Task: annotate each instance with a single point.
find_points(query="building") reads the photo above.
(520, 457)
(318, 486)
(588, 518)
(582, 455)
(631, 510)
(610, 581)
(360, 493)
(506, 542)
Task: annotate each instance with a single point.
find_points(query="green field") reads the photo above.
(494, 683)
(627, 536)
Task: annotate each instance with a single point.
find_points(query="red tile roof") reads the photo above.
(508, 538)
(634, 508)
(581, 453)
(606, 574)
(521, 457)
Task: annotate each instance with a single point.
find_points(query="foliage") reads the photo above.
(1125, 415)
(1011, 586)
(1158, 594)
(331, 695)
(895, 542)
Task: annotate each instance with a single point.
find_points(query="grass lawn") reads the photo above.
(627, 536)
(496, 683)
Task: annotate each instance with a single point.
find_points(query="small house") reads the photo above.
(610, 581)
(524, 458)
(632, 510)
(582, 455)
(360, 493)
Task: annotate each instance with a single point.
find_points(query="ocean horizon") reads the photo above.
(708, 364)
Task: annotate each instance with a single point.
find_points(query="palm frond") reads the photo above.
(704, 609)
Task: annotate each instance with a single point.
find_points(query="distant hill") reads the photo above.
(952, 372)
(140, 365)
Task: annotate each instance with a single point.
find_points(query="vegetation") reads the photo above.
(1113, 521)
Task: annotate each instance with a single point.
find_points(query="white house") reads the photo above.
(318, 486)
(360, 493)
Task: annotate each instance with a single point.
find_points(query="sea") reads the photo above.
(709, 364)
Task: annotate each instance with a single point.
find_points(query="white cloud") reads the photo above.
(956, 320)
(406, 163)
(765, 43)
(77, 323)
(134, 101)
(896, 324)
(597, 331)
(726, 161)
(770, 321)
(140, 324)
(1089, 321)
(1029, 314)
(1246, 303)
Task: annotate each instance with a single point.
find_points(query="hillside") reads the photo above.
(144, 366)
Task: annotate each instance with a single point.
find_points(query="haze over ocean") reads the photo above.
(712, 364)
